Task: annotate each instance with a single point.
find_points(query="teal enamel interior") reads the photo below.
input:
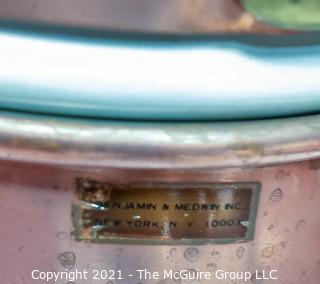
(195, 78)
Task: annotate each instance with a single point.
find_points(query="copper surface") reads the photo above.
(36, 225)
(165, 16)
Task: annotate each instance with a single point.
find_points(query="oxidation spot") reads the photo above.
(271, 227)
(173, 252)
(278, 248)
(280, 175)
(118, 251)
(67, 259)
(265, 213)
(211, 266)
(267, 252)
(314, 165)
(240, 252)
(6, 178)
(270, 251)
(276, 196)
(61, 235)
(318, 262)
(300, 225)
(191, 254)
(256, 278)
(35, 5)
(21, 248)
(215, 254)
(109, 282)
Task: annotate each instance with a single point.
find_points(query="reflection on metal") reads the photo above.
(62, 141)
(291, 14)
(160, 212)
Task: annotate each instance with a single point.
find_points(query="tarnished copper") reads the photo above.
(165, 16)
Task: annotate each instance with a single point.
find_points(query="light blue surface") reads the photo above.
(211, 79)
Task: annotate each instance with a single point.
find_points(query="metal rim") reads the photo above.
(98, 143)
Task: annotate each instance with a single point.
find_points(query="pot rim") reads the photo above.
(65, 141)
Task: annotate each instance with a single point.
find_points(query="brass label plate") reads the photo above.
(217, 212)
